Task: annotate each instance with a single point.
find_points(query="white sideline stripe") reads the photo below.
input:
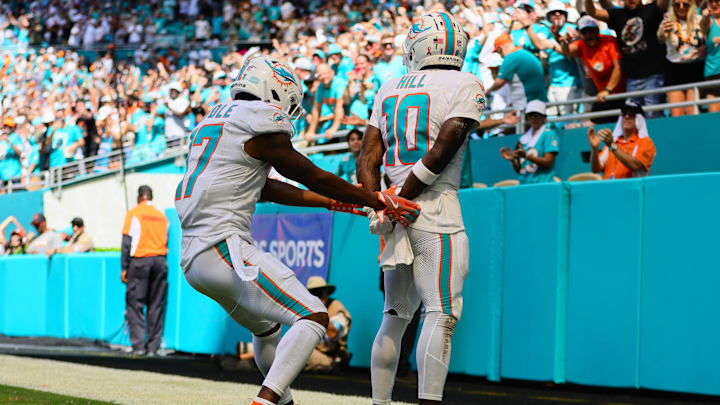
(140, 387)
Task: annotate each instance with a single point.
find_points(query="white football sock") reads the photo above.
(264, 352)
(433, 354)
(385, 357)
(292, 354)
(258, 400)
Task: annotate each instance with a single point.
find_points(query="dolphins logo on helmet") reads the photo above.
(281, 73)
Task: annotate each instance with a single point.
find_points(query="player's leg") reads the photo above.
(280, 297)
(441, 266)
(211, 274)
(401, 301)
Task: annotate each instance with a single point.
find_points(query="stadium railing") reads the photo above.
(87, 168)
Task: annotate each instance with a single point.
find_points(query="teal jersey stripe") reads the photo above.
(281, 297)
(449, 35)
(445, 273)
(224, 252)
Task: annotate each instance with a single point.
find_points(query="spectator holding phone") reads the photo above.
(629, 151)
(685, 42)
(359, 93)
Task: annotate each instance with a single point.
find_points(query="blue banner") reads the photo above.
(300, 241)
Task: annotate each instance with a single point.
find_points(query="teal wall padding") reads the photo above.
(23, 297)
(680, 303)
(535, 239)
(23, 205)
(600, 283)
(675, 154)
(603, 285)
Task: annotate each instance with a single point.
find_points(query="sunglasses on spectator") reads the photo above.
(388, 45)
(681, 5)
(556, 13)
(628, 114)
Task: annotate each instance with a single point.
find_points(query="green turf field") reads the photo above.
(23, 396)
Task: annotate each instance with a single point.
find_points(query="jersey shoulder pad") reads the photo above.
(263, 118)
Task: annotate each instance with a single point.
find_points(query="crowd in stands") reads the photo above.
(47, 241)
(61, 103)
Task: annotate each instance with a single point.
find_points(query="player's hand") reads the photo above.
(397, 208)
(340, 206)
(377, 227)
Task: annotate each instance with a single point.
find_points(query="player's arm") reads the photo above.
(370, 160)
(453, 134)
(277, 150)
(287, 194)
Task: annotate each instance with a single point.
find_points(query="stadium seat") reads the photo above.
(587, 176)
(507, 183)
(479, 185)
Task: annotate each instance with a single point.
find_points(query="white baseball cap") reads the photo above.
(304, 64)
(535, 106)
(587, 22)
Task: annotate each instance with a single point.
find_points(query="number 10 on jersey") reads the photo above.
(408, 126)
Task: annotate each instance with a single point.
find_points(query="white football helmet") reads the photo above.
(435, 39)
(272, 81)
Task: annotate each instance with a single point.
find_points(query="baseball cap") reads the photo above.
(77, 221)
(525, 3)
(587, 22)
(535, 106)
(175, 86)
(556, 6)
(317, 282)
(319, 53)
(38, 218)
(218, 75)
(632, 106)
(333, 49)
(304, 64)
(502, 40)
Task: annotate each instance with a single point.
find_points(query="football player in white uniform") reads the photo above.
(419, 131)
(231, 152)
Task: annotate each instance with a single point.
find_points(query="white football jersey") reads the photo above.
(216, 197)
(409, 112)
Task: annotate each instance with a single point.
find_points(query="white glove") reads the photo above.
(377, 227)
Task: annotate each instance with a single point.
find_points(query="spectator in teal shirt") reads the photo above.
(347, 166)
(521, 64)
(359, 93)
(328, 112)
(390, 65)
(339, 63)
(565, 82)
(534, 155)
(65, 139)
(10, 151)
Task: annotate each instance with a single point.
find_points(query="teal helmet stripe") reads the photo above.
(449, 35)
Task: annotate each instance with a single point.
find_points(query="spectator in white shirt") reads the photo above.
(178, 107)
(202, 29)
